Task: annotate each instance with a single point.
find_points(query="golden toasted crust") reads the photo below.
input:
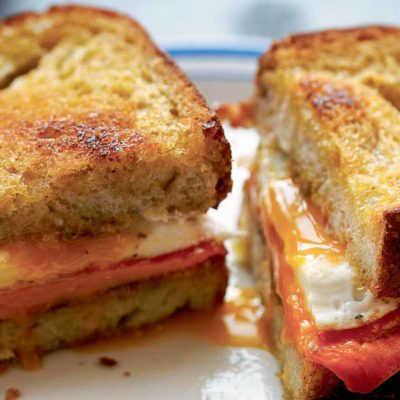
(307, 51)
(97, 125)
(334, 113)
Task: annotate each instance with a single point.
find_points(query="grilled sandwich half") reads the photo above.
(323, 204)
(109, 159)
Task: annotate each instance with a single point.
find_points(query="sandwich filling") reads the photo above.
(327, 279)
(328, 317)
(36, 275)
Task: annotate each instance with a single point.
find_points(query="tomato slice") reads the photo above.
(363, 358)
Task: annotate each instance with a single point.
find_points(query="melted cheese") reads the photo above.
(327, 280)
(44, 260)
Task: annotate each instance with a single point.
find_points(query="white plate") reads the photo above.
(175, 366)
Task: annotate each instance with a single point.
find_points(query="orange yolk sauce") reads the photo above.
(36, 295)
(239, 321)
(362, 357)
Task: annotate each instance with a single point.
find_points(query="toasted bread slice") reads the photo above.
(342, 137)
(115, 310)
(302, 379)
(98, 125)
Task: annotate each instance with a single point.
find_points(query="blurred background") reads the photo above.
(272, 18)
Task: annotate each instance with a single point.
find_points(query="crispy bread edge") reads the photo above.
(388, 276)
(268, 60)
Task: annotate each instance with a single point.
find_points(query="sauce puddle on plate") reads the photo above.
(239, 321)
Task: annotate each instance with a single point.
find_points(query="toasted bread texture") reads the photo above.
(302, 380)
(331, 99)
(119, 309)
(98, 125)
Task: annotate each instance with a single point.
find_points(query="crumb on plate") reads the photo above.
(12, 394)
(107, 362)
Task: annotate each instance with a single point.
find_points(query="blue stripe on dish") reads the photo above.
(230, 61)
(214, 52)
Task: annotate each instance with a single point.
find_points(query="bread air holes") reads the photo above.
(81, 88)
(122, 91)
(31, 176)
(174, 108)
(126, 319)
(171, 209)
(8, 79)
(387, 90)
(168, 183)
(174, 112)
(147, 77)
(142, 105)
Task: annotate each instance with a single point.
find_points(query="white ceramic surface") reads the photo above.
(177, 366)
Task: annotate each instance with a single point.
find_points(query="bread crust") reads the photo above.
(105, 114)
(282, 53)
